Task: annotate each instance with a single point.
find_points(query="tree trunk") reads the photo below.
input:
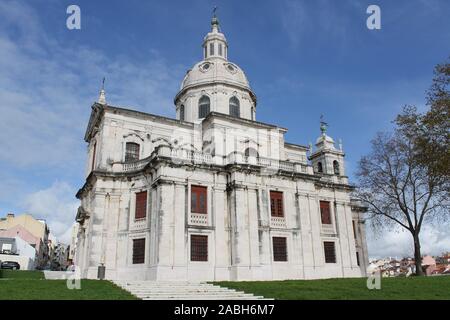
(417, 254)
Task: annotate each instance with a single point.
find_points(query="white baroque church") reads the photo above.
(213, 194)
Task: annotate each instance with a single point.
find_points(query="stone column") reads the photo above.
(111, 228)
(239, 234)
(165, 229)
(264, 225)
(306, 226)
(221, 222)
(178, 213)
(364, 257)
(346, 237)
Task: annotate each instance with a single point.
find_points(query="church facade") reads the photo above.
(213, 194)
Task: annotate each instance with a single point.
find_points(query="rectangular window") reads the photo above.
(279, 249)
(354, 228)
(357, 258)
(131, 151)
(211, 49)
(141, 205)
(198, 199)
(330, 252)
(199, 248)
(276, 204)
(220, 49)
(325, 212)
(138, 251)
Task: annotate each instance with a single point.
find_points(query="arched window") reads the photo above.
(203, 107)
(182, 112)
(336, 167)
(319, 167)
(131, 151)
(234, 107)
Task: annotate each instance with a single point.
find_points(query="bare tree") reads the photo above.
(399, 190)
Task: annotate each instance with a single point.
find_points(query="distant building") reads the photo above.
(428, 265)
(443, 259)
(33, 231)
(18, 250)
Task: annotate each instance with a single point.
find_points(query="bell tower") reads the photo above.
(326, 158)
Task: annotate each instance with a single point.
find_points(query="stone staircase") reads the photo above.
(181, 290)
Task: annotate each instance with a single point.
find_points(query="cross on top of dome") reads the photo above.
(214, 20)
(323, 125)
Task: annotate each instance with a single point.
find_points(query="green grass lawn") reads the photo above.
(30, 285)
(22, 274)
(348, 289)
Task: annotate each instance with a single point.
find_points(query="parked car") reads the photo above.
(10, 265)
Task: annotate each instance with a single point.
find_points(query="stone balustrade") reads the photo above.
(184, 155)
(278, 222)
(200, 219)
(139, 224)
(328, 229)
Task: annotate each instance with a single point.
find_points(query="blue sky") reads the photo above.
(303, 59)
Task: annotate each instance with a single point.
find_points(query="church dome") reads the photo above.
(215, 67)
(215, 84)
(210, 71)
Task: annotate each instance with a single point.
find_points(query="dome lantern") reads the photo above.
(215, 84)
(215, 44)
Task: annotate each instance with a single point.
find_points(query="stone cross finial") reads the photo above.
(323, 125)
(102, 96)
(214, 20)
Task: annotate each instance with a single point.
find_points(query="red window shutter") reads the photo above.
(138, 251)
(330, 252)
(325, 212)
(199, 200)
(279, 249)
(276, 204)
(141, 205)
(199, 248)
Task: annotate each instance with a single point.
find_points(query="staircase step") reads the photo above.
(182, 290)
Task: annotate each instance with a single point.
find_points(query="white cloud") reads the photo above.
(399, 243)
(56, 204)
(46, 88)
(66, 237)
